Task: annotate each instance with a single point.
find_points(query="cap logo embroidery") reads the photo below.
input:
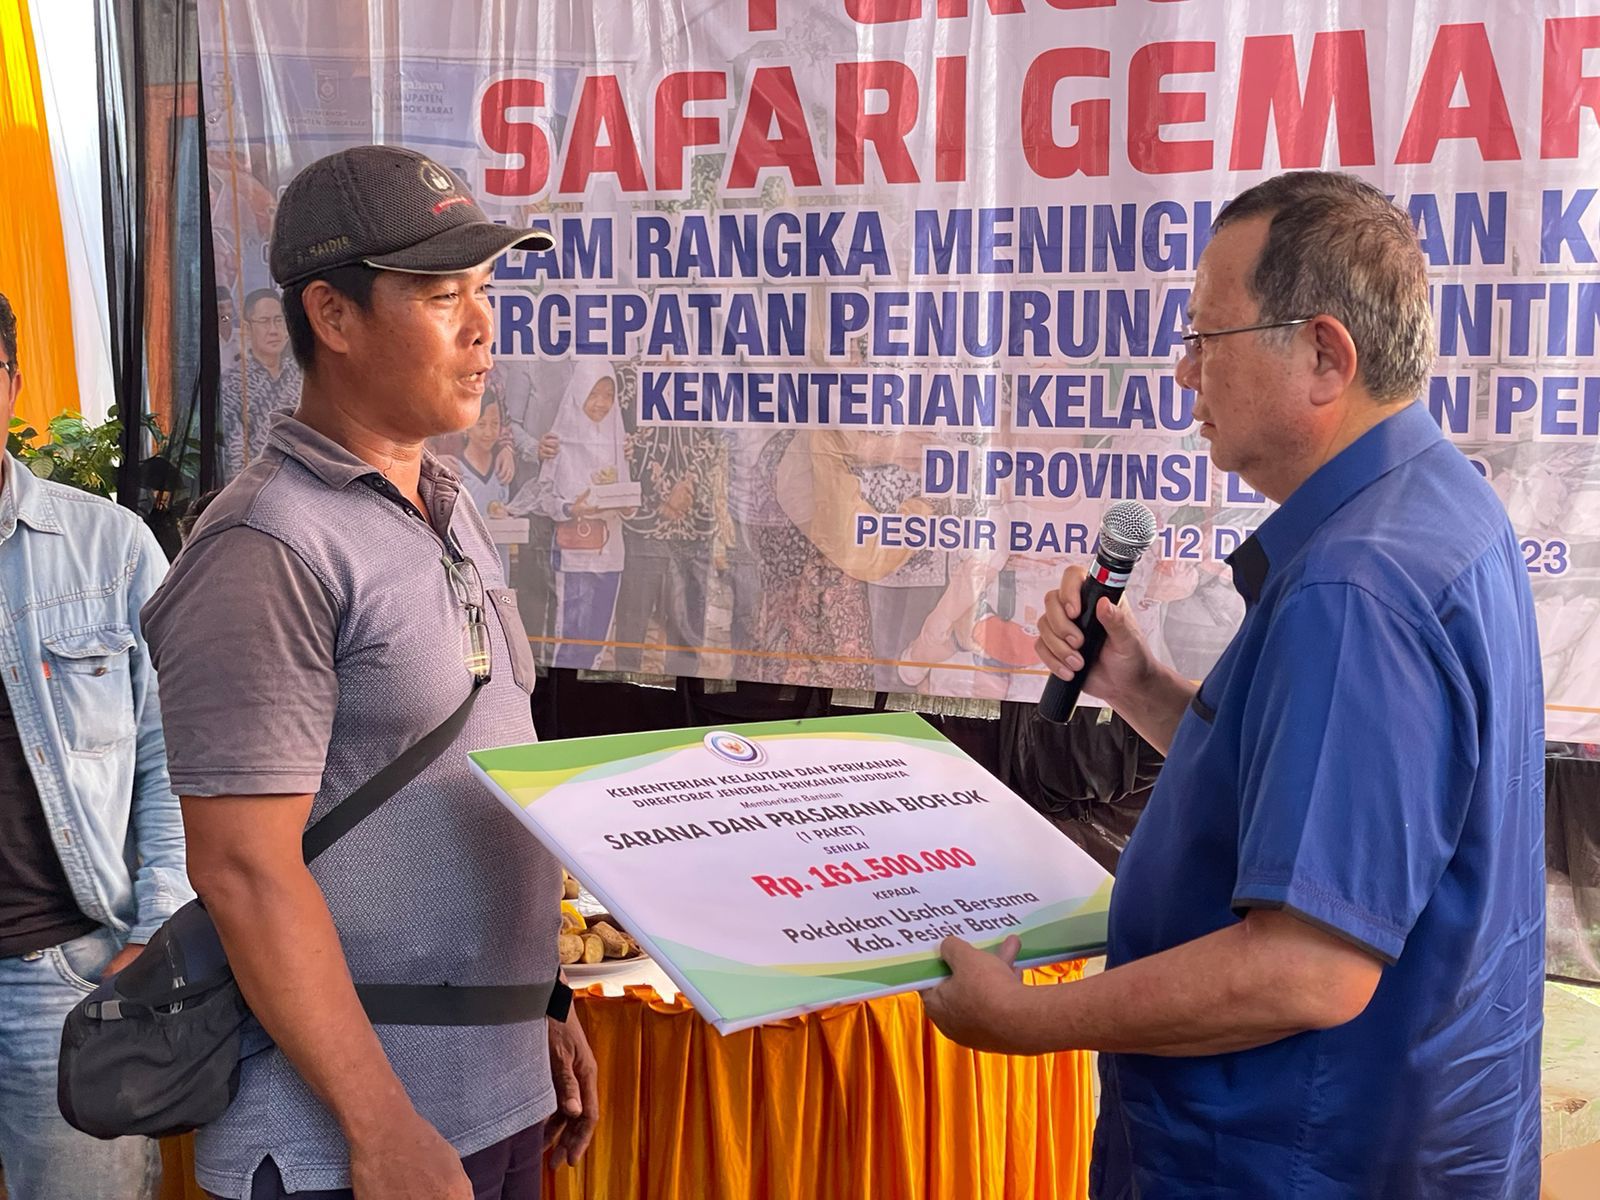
(449, 203)
(437, 177)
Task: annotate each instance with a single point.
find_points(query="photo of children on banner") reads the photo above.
(814, 602)
(682, 475)
(978, 632)
(486, 458)
(888, 467)
(587, 490)
(527, 447)
(750, 509)
(481, 445)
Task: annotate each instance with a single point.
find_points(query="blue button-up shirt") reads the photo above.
(74, 572)
(1367, 755)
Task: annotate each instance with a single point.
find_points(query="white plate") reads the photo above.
(607, 966)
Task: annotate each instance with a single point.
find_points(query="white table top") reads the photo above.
(626, 975)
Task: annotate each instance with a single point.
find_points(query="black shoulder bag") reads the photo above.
(155, 1049)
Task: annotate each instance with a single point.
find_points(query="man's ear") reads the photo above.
(330, 313)
(1336, 365)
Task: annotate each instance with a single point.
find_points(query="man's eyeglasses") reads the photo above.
(10, 367)
(268, 322)
(468, 587)
(1194, 341)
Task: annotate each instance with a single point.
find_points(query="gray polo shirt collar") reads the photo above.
(319, 454)
(338, 467)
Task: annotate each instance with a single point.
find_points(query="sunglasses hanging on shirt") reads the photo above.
(468, 587)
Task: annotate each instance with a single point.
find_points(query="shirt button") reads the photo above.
(101, 670)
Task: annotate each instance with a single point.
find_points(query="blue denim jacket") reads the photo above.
(74, 572)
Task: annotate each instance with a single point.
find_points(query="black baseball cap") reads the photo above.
(387, 207)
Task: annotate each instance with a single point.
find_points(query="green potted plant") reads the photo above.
(74, 452)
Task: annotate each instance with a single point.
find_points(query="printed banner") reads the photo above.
(778, 868)
(862, 311)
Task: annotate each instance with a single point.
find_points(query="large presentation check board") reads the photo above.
(777, 868)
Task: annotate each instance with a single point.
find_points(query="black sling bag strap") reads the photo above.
(436, 1004)
(363, 802)
(424, 1004)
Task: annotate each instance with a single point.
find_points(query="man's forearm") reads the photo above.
(1228, 991)
(285, 953)
(1156, 707)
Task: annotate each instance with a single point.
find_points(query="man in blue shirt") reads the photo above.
(1326, 939)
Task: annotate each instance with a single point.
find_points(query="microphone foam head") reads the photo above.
(1127, 530)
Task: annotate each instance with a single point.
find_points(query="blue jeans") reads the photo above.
(43, 1157)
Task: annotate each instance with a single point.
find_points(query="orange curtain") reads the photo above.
(33, 259)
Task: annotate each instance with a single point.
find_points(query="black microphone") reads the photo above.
(1125, 533)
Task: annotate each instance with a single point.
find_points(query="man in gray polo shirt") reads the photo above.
(331, 608)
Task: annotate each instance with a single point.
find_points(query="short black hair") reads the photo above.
(354, 282)
(8, 331)
(260, 294)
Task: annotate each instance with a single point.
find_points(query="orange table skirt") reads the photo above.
(864, 1100)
